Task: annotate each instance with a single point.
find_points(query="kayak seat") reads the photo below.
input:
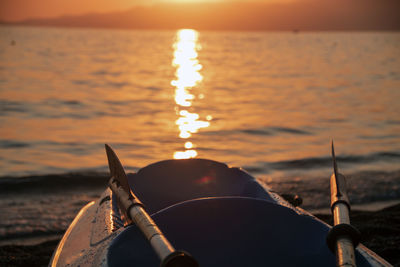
(232, 232)
(169, 182)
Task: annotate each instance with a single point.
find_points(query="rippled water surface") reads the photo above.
(269, 102)
(261, 100)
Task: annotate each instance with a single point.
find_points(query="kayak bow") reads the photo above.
(222, 215)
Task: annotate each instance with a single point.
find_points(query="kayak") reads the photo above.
(221, 215)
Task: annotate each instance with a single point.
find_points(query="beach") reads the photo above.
(37, 210)
(380, 232)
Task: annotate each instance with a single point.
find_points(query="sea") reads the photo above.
(269, 102)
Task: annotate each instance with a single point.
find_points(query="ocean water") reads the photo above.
(269, 102)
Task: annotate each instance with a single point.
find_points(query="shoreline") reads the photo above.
(368, 207)
(380, 232)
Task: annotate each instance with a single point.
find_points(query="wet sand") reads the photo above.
(36, 255)
(380, 232)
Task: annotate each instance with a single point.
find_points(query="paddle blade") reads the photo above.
(338, 184)
(116, 169)
(335, 172)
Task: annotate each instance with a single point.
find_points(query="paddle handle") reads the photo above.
(343, 237)
(165, 251)
(345, 253)
(345, 256)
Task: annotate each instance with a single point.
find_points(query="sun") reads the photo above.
(192, 1)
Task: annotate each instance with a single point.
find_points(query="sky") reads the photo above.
(16, 10)
(207, 14)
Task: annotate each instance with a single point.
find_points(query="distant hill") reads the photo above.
(308, 15)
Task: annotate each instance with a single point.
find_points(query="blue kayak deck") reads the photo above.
(232, 232)
(223, 217)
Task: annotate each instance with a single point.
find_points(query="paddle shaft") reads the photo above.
(345, 256)
(142, 220)
(132, 208)
(343, 237)
(165, 251)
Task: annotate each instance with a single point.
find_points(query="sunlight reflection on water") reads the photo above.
(187, 77)
(269, 99)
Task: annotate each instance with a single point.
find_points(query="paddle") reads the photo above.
(342, 238)
(133, 209)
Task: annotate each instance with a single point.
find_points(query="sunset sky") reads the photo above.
(24, 9)
(207, 14)
(13, 10)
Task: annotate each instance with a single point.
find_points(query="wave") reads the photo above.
(54, 182)
(363, 187)
(53, 108)
(13, 144)
(264, 131)
(51, 233)
(7, 106)
(275, 131)
(323, 162)
(89, 178)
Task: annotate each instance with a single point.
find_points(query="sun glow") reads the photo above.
(187, 77)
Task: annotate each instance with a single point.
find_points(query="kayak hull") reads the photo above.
(221, 215)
